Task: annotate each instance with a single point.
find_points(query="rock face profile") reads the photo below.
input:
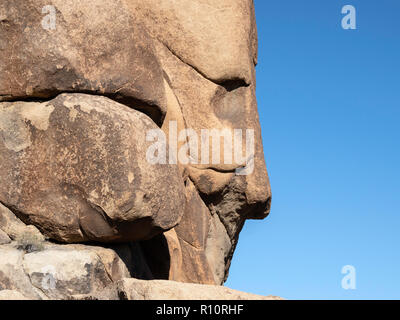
(130, 147)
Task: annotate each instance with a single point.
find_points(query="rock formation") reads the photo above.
(83, 86)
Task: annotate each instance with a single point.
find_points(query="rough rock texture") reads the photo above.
(4, 238)
(36, 269)
(65, 272)
(11, 295)
(76, 104)
(133, 289)
(202, 35)
(14, 227)
(74, 172)
(12, 274)
(97, 47)
(61, 272)
(228, 103)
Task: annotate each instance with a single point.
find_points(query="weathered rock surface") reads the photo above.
(14, 227)
(97, 47)
(191, 235)
(77, 170)
(4, 238)
(133, 289)
(61, 272)
(11, 295)
(231, 105)
(81, 272)
(73, 147)
(67, 272)
(217, 249)
(216, 37)
(199, 245)
(12, 273)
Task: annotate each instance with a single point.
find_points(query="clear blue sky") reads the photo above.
(329, 103)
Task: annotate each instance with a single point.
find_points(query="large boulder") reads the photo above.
(76, 168)
(12, 273)
(73, 152)
(96, 47)
(216, 37)
(60, 272)
(204, 104)
(63, 272)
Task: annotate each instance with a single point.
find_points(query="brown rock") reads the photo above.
(11, 295)
(4, 238)
(75, 166)
(77, 170)
(14, 227)
(75, 272)
(65, 272)
(12, 273)
(192, 234)
(133, 289)
(218, 248)
(215, 37)
(207, 105)
(97, 47)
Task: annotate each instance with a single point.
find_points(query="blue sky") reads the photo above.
(329, 103)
